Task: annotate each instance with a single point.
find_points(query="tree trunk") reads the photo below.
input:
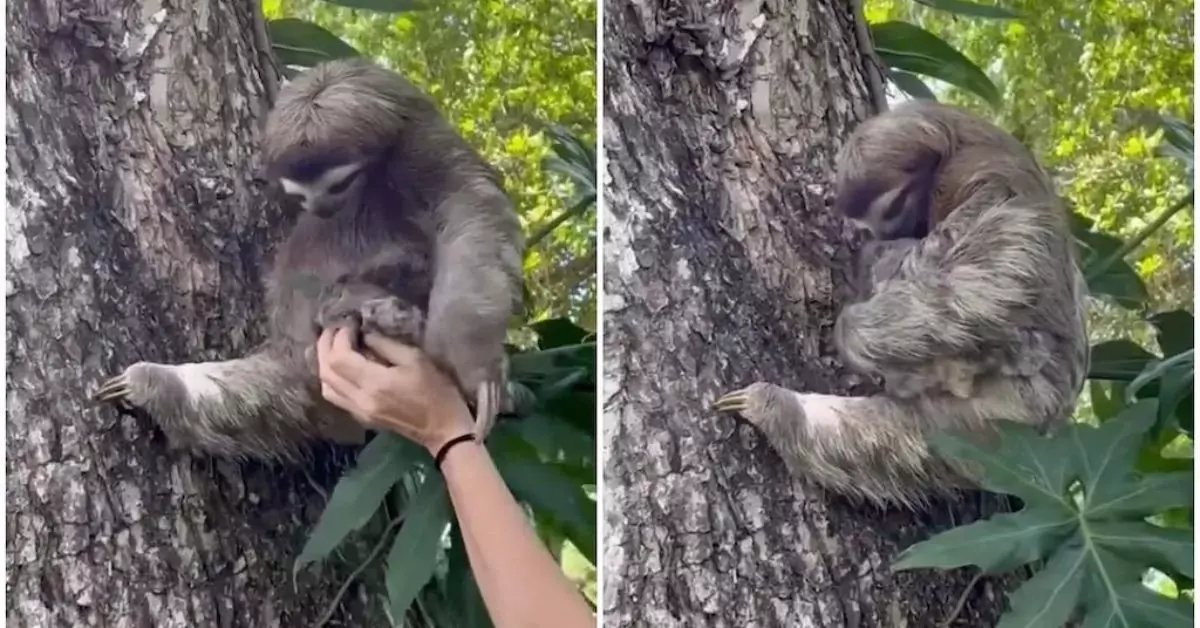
(724, 266)
(137, 229)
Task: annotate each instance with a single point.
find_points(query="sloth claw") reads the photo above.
(737, 401)
(487, 407)
(114, 389)
(754, 403)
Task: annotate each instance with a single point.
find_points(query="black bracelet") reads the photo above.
(441, 454)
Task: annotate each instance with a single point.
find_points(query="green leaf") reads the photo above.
(544, 487)
(558, 332)
(907, 47)
(302, 43)
(1121, 360)
(999, 544)
(555, 439)
(1182, 364)
(1143, 497)
(1175, 391)
(530, 366)
(970, 8)
(1179, 142)
(1132, 605)
(380, 6)
(1169, 550)
(1108, 398)
(1176, 331)
(911, 84)
(1048, 598)
(1118, 280)
(357, 495)
(1024, 463)
(413, 558)
(1104, 455)
(461, 588)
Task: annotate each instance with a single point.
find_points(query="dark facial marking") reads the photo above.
(309, 166)
(855, 197)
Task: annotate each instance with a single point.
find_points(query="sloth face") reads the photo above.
(329, 191)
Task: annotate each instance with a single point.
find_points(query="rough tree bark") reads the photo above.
(138, 230)
(724, 266)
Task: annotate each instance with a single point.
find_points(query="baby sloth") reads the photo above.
(974, 309)
(407, 232)
(880, 261)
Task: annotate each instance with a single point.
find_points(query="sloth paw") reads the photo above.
(342, 303)
(393, 318)
(139, 386)
(763, 405)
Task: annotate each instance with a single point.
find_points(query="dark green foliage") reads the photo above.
(912, 49)
(1085, 510)
(300, 43)
(1105, 275)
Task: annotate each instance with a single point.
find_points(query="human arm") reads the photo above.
(520, 582)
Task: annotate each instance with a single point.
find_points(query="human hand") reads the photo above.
(409, 395)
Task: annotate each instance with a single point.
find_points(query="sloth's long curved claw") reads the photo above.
(487, 406)
(736, 401)
(113, 390)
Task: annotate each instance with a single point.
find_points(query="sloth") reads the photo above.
(407, 232)
(881, 260)
(982, 283)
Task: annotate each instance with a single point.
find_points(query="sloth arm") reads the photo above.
(262, 406)
(476, 284)
(978, 290)
(874, 448)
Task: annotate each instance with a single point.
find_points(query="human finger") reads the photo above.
(333, 381)
(393, 351)
(345, 361)
(343, 401)
(325, 343)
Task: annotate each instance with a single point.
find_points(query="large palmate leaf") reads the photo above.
(1085, 514)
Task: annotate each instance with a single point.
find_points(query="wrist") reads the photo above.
(461, 423)
(451, 446)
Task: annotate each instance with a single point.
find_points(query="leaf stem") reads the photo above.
(962, 601)
(392, 525)
(555, 222)
(1141, 237)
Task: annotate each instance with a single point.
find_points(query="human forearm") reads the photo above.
(521, 584)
